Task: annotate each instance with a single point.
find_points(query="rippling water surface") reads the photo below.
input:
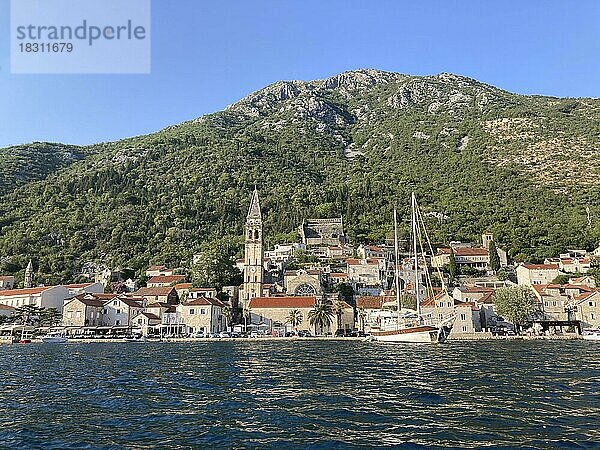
(299, 394)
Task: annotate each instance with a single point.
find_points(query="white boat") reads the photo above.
(135, 339)
(54, 338)
(591, 335)
(415, 328)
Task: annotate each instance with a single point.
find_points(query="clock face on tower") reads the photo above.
(252, 269)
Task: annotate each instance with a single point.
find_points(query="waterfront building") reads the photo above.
(202, 315)
(84, 310)
(275, 312)
(587, 309)
(369, 309)
(144, 322)
(120, 310)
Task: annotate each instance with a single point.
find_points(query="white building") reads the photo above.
(42, 297)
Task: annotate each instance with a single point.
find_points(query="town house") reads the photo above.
(202, 315)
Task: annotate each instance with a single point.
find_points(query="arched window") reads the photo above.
(256, 235)
(305, 290)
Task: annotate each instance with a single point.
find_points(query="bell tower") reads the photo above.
(253, 251)
(28, 282)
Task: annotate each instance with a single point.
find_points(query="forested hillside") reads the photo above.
(24, 163)
(479, 158)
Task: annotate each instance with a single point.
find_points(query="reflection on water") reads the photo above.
(287, 394)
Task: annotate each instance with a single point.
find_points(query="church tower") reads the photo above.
(253, 251)
(28, 282)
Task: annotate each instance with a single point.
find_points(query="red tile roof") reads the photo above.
(470, 251)
(167, 279)
(203, 301)
(370, 302)
(541, 266)
(154, 291)
(28, 291)
(282, 302)
(7, 308)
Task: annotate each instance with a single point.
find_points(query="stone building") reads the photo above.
(532, 274)
(84, 310)
(202, 315)
(275, 312)
(7, 282)
(322, 232)
(303, 282)
(158, 294)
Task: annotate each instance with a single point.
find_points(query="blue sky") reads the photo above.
(207, 54)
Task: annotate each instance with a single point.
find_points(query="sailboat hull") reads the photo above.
(417, 335)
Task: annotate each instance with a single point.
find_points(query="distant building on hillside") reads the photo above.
(322, 232)
(7, 282)
(532, 274)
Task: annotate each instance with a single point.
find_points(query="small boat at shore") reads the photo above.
(591, 335)
(135, 339)
(54, 338)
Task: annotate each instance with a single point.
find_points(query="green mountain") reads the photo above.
(479, 158)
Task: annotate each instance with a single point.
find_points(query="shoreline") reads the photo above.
(463, 338)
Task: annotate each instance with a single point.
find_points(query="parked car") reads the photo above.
(199, 335)
(304, 333)
(224, 334)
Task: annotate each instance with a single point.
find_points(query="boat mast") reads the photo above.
(414, 232)
(396, 262)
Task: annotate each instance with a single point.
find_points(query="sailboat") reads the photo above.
(412, 326)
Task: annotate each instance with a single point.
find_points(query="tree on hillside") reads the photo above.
(516, 304)
(453, 270)
(561, 279)
(215, 268)
(494, 258)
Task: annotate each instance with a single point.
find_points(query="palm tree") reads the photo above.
(338, 310)
(321, 315)
(228, 314)
(362, 315)
(295, 318)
